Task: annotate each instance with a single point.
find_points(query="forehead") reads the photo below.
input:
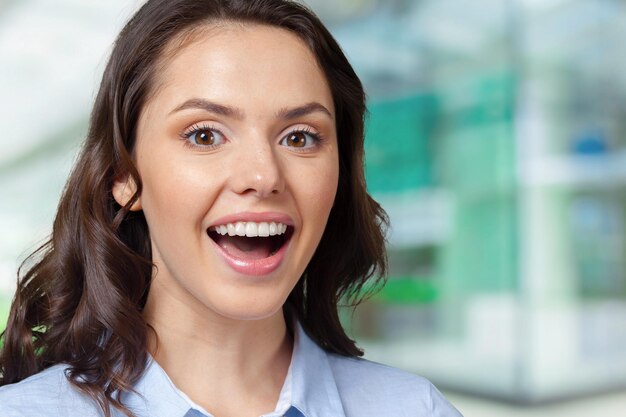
(236, 63)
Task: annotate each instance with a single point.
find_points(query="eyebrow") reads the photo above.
(209, 106)
(300, 111)
(286, 113)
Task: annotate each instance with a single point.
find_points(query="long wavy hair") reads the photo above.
(80, 296)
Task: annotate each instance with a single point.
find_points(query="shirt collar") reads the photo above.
(314, 390)
(310, 387)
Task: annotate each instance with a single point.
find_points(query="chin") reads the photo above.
(246, 310)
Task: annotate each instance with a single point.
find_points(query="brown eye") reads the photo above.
(205, 137)
(300, 139)
(296, 139)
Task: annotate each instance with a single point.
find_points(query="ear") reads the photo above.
(123, 190)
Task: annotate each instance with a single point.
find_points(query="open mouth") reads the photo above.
(251, 240)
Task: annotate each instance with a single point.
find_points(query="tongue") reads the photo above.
(250, 248)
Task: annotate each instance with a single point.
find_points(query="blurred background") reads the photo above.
(496, 141)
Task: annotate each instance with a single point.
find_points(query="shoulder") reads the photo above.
(370, 388)
(47, 393)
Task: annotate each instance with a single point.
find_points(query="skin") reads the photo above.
(222, 334)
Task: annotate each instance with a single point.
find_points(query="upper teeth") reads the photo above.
(250, 229)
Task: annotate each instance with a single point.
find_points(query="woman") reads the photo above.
(216, 216)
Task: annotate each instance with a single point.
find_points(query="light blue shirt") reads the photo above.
(318, 384)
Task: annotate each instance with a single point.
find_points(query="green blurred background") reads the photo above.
(496, 141)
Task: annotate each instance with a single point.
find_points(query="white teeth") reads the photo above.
(250, 229)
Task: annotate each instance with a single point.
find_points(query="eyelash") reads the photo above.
(196, 128)
(317, 138)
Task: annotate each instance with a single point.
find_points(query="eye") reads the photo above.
(204, 136)
(300, 139)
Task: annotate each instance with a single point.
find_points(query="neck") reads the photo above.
(216, 360)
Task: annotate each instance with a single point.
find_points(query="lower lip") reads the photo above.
(258, 267)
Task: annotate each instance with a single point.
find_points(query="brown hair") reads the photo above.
(80, 299)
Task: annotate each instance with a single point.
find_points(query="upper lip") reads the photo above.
(260, 217)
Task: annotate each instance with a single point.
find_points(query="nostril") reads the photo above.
(260, 175)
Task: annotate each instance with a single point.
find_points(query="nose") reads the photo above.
(258, 171)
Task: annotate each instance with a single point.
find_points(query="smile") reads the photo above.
(250, 229)
(250, 247)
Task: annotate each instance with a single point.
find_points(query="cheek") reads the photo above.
(177, 189)
(317, 191)
(327, 188)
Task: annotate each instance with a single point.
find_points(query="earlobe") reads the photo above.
(123, 190)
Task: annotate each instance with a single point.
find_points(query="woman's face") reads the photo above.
(239, 139)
